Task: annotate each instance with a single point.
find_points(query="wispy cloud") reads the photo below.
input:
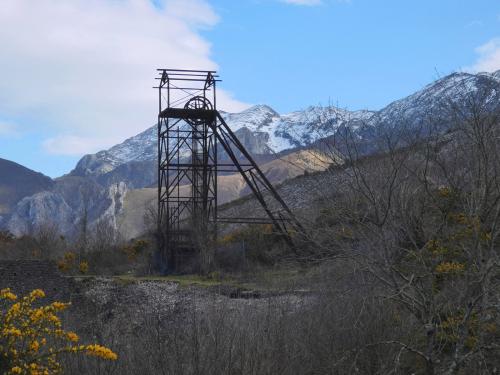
(7, 129)
(72, 145)
(86, 67)
(313, 2)
(303, 2)
(474, 23)
(489, 57)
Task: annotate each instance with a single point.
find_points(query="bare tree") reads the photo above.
(420, 220)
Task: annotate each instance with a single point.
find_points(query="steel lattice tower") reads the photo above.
(190, 129)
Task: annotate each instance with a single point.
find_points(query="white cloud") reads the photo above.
(72, 145)
(312, 2)
(303, 2)
(489, 57)
(7, 129)
(86, 67)
(474, 23)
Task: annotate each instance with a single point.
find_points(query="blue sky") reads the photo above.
(76, 76)
(359, 53)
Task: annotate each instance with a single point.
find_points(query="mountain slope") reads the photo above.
(435, 100)
(17, 182)
(262, 131)
(137, 202)
(101, 183)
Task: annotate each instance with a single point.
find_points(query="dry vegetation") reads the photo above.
(400, 266)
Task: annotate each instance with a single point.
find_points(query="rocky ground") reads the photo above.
(127, 302)
(118, 296)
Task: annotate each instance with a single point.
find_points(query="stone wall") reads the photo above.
(22, 276)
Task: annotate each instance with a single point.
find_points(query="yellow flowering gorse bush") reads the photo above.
(134, 249)
(67, 262)
(32, 337)
(83, 267)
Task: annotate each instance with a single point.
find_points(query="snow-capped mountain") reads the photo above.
(263, 131)
(436, 100)
(140, 148)
(296, 129)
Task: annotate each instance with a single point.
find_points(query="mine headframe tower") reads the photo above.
(190, 130)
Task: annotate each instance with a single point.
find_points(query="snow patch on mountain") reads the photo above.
(276, 132)
(142, 147)
(256, 118)
(432, 102)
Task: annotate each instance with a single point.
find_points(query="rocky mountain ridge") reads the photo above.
(99, 183)
(261, 130)
(265, 132)
(17, 182)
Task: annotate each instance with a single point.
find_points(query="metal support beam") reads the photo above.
(190, 130)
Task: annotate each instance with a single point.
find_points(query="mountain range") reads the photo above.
(113, 186)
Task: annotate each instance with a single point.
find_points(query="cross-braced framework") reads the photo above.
(190, 129)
